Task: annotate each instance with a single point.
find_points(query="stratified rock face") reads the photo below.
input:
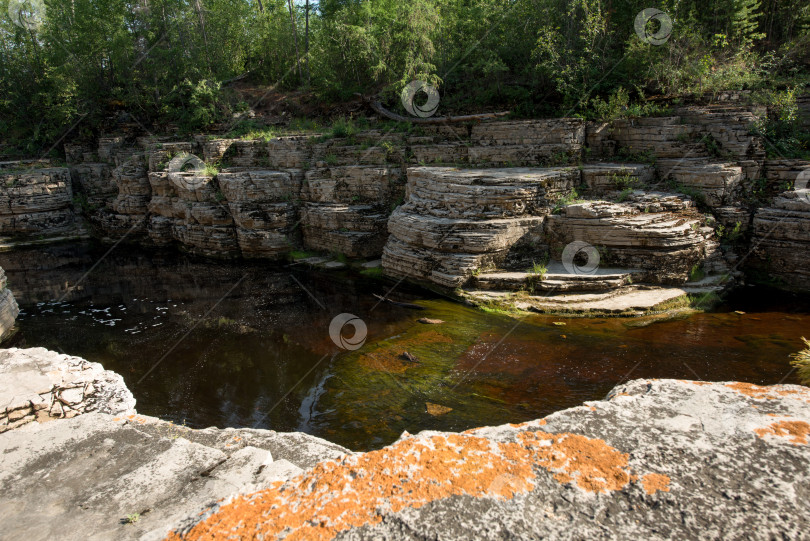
(335, 194)
(458, 220)
(203, 223)
(95, 181)
(127, 214)
(781, 240)
(527, 142)
(8, 308)
(691, 132)
(608, 178)
(36, 202)
(657, 459)
(41, 385)
(262, 206)
(659, 233)
(347, 207)
(717, 184)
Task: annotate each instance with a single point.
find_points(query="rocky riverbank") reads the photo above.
(655, 459)
(657, 208)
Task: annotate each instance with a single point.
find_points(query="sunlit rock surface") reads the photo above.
(331, 193)
(655, 459)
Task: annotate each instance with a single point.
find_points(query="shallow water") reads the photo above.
(247, 344)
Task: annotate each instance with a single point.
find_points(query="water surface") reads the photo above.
(247, 344)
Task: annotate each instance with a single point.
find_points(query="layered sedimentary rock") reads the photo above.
(716, 184)
(342, 190)
(456, 221)
(659, 233)
(8, 308)
(689, 132)
(203, 222)
(347, 208)
(36, 202)
(527, 142)
(781, 239)
(126, 215)
(606, 178)
(262, 204)
(95, 181)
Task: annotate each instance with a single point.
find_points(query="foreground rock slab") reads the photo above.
(43, 385)
(114, 474)
(658, 459)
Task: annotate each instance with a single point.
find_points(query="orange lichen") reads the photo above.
(337, 495)
(768, 393)
(798, 431)
(592, 464)
(653, 482)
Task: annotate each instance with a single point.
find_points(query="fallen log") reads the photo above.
(378, 107)
(395, 303)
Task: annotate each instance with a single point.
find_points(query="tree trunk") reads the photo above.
(306, 46)
(199, 9)
(295, 39)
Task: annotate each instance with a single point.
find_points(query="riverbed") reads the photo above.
(247, 344)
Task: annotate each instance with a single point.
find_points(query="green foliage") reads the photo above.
(624, 181)
(801, 361)
(696, 273)
(373, 272)
(132, 518)
(624, 195)
(538, 269)
(782, 128)
(299, 254)
(96, 63)
(211, 170)
(344, 127)
(564, 201)
(80, 200)
(729, 235)
(251, 130)
(618, 105)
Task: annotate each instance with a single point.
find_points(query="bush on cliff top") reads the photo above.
(166, 62)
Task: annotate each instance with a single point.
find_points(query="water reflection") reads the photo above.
(247, 344)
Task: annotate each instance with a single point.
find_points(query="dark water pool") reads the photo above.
(248, 344)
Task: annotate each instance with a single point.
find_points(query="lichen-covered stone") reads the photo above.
(658, 458)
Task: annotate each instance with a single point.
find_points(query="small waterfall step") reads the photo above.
(558, 278)
(632, 299)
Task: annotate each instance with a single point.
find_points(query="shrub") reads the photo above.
(801, 361)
